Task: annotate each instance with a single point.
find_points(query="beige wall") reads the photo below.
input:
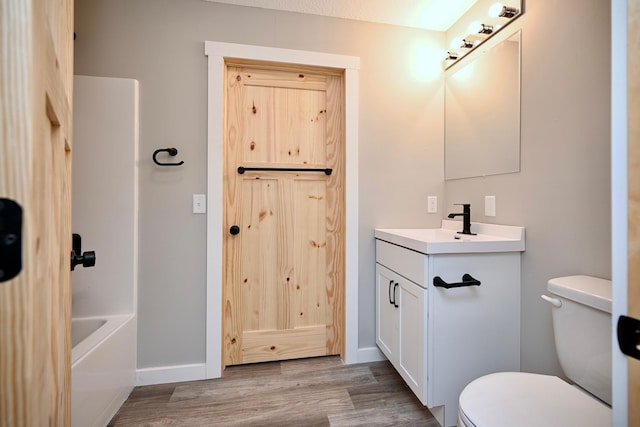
(160, 43)
(561, 195)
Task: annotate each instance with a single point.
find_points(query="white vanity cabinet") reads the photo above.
(440, 339)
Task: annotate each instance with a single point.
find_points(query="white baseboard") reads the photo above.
(370, 354)
(171, 374)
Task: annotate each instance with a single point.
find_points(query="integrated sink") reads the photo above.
(447, 240)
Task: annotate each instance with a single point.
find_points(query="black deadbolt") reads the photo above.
(234, 230)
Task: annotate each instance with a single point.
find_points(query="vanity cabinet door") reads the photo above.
(412, 335)
(401, 315)
(386, 312)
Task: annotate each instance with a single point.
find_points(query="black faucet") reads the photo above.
(466, 218)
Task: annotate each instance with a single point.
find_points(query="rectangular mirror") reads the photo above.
(482, 113)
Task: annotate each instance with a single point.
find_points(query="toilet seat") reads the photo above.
(529, 400)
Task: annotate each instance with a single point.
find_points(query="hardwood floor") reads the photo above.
(309, 392)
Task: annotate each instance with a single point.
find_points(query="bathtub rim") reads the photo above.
(112, 325)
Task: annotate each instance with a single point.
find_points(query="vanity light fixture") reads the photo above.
(482, 29)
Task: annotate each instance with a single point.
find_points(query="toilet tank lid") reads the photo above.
(588, 290)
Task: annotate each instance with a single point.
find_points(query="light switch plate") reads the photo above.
(432, 204)
(489, 205)
(199, 203)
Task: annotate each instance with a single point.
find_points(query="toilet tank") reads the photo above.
(582, 331)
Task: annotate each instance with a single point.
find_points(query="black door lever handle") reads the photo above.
(10, 239)
(628, 332)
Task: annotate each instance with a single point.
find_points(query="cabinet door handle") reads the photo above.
(467, 280)
(391, 299)
(395, 302)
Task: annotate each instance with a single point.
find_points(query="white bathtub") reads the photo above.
(103, 367)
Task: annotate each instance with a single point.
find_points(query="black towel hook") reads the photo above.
(171, 151)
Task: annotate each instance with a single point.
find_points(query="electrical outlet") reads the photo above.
(432, 204)
(489, 205)
(199, 203)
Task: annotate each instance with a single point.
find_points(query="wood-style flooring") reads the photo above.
(308, 392)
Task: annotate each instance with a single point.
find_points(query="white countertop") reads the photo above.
(447, 240)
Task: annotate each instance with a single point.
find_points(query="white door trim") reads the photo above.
(619, 203)
(216, 53)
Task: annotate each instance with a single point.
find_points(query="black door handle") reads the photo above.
(87, 259)
(234, 230)
(629, 336)
(10, 239)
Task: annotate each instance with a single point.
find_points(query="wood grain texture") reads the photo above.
(36, 75)
(309, 392)
(281, 275)
(283, 79)
(290, 343)
(232, 213)
(633, 112)
(335, 205)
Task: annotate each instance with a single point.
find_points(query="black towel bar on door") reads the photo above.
(467, 280)
(326, 171)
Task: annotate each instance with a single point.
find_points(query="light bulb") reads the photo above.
(495, 10)
(474, 27)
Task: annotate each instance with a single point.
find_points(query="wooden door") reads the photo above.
(36, 47)
(283, 290)
(633, 112)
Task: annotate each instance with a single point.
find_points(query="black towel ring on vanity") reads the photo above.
(171, 151)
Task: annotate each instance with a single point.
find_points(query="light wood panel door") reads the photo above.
(283, 290)
(36, 47)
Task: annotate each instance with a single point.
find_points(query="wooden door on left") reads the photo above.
(36, 80)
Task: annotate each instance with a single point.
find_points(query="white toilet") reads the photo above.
(582, 330)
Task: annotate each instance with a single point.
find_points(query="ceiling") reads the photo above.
(437, 15)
